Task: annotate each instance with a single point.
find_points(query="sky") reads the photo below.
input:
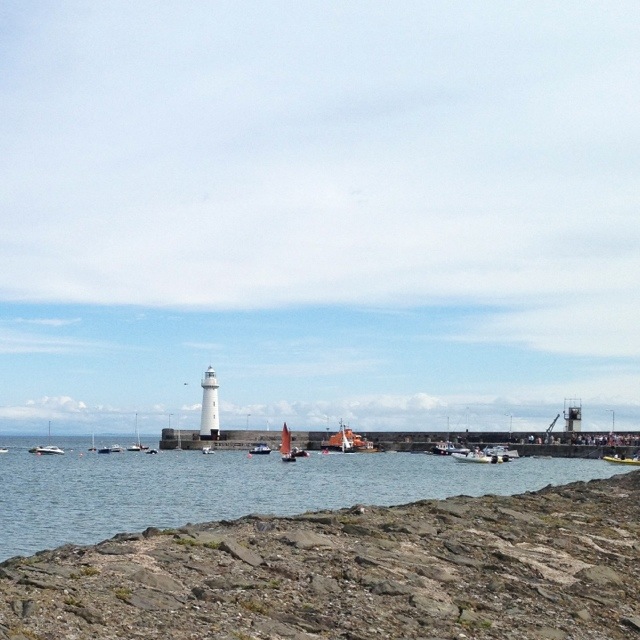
(407, 216)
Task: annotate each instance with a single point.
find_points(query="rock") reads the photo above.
(157, 580)
(600, 575)
(322, 585)
(151, 600)
(434, 608)
(458, 569)
(391, 588)
(633, 622)
(549, 633)
(241, 553)
(303, 539)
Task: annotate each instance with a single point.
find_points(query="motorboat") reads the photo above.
(49, 450)
(207, 450)
(260, 449)
(151, 451)
(477, 457)
(4, 450)
(114, 448)
(635, 461)
(502, 452)
(448, 448)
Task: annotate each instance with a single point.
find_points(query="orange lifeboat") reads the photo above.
(353, 441)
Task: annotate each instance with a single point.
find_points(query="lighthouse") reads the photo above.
(210, 420)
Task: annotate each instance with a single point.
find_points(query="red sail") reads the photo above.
(285, 447)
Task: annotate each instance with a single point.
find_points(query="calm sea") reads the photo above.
(83, 497)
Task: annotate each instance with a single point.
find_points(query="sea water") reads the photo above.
(83, 497)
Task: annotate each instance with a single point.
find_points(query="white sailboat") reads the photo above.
(138, 445)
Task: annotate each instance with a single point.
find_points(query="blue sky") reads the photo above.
(397, 215)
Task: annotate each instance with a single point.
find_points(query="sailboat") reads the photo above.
(93, 443)
(138, 445)
(285, 447)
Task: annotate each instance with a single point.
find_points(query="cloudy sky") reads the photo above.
(400, 214)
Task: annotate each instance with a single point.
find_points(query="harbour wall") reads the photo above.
(408, 441)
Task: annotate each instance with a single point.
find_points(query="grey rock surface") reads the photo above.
(559, 564)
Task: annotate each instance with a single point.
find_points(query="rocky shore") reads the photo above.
(560, 563)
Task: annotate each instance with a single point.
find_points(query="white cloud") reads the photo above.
(48, 322)
(210, 157)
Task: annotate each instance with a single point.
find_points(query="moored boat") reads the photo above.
(501, 451)
(635, 461)
(114, 448)
(477, 457)
(448, 448)
(260, 449)
(285, 446)
(346, 441)
(49, 450)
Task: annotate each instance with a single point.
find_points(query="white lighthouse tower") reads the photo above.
(210, 420)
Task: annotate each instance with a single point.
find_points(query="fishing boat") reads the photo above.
(635, 461)
(285, 446)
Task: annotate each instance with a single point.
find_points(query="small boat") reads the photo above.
(299, 453)
(151, 451)
(285, 446)
(635, 461)
(114, 448)
(92, 448)
(4, 450)
(207, 450)
(501, 451)
(260, 449)
(137, 446)
(448, 448)
(477, 457)
(49, 450)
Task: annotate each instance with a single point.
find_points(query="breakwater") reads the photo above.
(560, 445)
